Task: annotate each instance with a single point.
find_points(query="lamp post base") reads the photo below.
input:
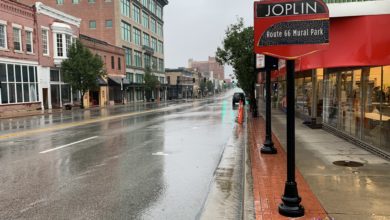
(291, 202)
(268, 148)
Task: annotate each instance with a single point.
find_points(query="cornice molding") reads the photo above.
(54, 13)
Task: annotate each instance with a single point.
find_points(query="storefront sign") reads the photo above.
(291, 28)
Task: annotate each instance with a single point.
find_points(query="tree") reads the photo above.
(202, 86)
(210, 86)
(82, 69)
(237, 51)
(151, 83)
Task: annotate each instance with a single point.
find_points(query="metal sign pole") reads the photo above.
(268, 146)
(291, 201)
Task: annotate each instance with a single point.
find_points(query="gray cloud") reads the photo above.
(194, 29)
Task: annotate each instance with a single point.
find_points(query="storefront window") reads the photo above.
(15, 84)
(385, 110)
(298, 94)
(66, 94)
(320, 91)
(282, 94)
(331, 100)
(55, 95)
(350, 103)
(307, 94)
(373, 96)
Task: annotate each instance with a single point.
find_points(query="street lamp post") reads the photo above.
(123, 96)
(268, 146)
(291, 201)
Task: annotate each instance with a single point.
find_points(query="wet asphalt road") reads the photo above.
(129, 162)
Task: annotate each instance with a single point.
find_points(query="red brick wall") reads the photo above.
(100, 11)
(16, 13)
(106, 52)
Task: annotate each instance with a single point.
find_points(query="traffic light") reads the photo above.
(193, 80)
(204, 79)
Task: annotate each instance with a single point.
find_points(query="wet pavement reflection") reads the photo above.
(148, 166)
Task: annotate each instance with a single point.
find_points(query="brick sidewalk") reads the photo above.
(269, 176)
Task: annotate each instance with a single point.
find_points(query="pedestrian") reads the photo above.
(284, 104)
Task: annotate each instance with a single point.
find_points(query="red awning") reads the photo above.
(354, 41)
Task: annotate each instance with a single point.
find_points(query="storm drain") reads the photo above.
(347, 163)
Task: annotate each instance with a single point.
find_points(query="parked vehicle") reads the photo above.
(237, 97)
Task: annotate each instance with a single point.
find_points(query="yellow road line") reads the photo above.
(80, 123)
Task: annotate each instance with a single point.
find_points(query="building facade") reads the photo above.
(135, 25)
(209, 66)
(346, 87)
(111, 89)
(181, 83)
(33, 42)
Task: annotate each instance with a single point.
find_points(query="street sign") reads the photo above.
(260, 61)
(290, 29)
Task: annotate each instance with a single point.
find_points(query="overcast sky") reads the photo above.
(195, 28)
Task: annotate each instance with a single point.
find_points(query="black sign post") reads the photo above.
(291, 200)
(289, 29)
(271, 63)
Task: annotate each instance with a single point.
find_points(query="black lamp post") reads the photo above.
(290, 205)
(271, 63)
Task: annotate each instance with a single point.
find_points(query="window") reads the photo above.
(17, 39)
(139, 78)
(160, 47)
(145, 20)
(136, 14)
(3, 36)
(161, 65)
(126, 31)
(109, 23)
(145, 3)
(138, 58)
(130, 77)
(45, 42)
(137, 36)
(146, 40)
(60, 2)
(91, 1)
(159, 11)
(119, 63)
(154, 44)
(112, 62)
(128, 56)
(154, 63)
(159, 29)
(75, 1)
(125, 8)
(153, 25)
(68, 42)
(29, 42)
(60, 46)
(92, 24)
(54, 76)
(147, 60)
(152, 6)
(16, 85)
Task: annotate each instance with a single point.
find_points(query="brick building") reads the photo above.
(135, 25)
(209, 66)
(111, 89)
(29, 65)
(181, 83)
